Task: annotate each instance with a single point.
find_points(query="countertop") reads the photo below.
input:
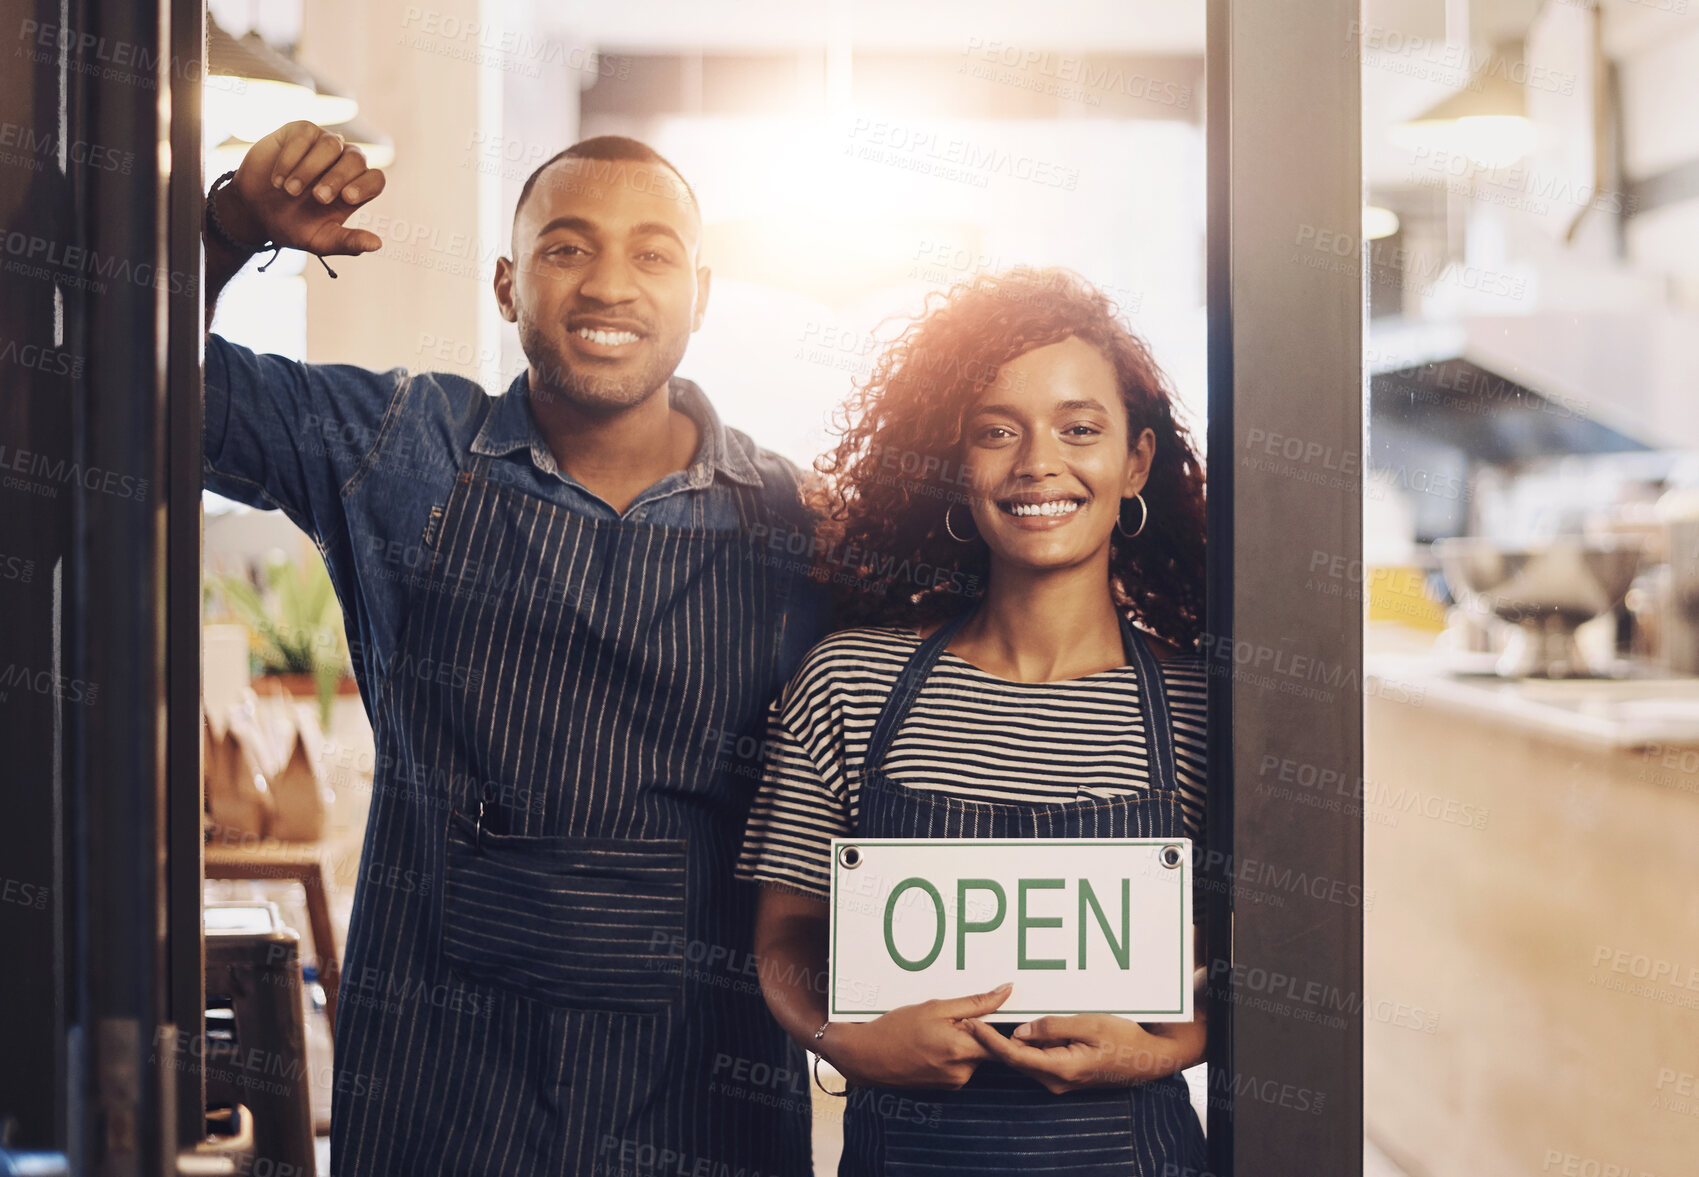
(1617, 713)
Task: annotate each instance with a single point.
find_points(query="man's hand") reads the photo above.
(927, 1044)
(296, 188)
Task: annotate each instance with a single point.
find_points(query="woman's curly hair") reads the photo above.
(899, 462)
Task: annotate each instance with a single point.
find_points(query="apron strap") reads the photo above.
(748, 507)
(1153, 698)
(1158, 733)
(907, 686)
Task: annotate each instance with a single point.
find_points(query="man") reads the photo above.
(563, 612)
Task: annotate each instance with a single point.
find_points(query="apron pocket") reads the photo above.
(582, 923)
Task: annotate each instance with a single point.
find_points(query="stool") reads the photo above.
(255, 1050)
(269, 860)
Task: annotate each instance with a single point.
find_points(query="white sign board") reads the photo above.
(1080, 926)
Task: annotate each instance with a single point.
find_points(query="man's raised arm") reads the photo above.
(295, 188)
(283, 434)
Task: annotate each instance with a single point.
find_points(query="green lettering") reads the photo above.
(1122, 952)
(1023, 921)
(963, 926)
(890, 941)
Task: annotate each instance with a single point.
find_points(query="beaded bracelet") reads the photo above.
(222, 235)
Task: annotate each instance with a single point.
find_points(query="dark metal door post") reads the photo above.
(1286, 310)
(90, 306)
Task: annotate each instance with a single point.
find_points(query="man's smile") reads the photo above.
(605, 337)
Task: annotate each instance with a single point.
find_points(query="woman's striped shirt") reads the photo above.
(970, 734)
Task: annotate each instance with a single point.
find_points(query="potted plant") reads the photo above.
(295, 627)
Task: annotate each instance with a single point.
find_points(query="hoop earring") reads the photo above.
(950, 527)
(1144, 516)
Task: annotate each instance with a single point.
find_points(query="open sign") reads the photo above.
(1079, 926)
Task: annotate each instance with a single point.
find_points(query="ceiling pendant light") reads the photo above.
(1378, 222)
(1486, 121)
(250, 89)
(377, 147)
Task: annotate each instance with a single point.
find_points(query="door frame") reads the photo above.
(1285, 446)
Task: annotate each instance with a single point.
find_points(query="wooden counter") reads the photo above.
(1550, 941)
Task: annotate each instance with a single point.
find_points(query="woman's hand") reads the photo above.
(929, 1044)
(1094, 1050)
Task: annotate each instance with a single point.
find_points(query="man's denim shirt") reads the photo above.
(362, 460)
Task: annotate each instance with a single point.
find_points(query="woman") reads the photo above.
(1019, 440)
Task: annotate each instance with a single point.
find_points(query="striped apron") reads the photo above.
(548, 967)
(1002, 1122)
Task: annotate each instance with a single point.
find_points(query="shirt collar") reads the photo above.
(509, 426)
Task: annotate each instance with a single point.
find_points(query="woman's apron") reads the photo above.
(548, 965)
(1002, 1122)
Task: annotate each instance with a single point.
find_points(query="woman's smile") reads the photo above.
(1040, 512)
